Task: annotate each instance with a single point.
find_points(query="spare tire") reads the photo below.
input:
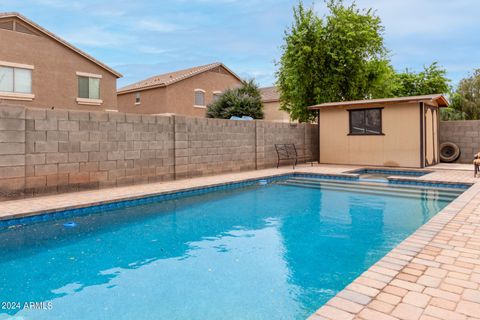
(449, 152)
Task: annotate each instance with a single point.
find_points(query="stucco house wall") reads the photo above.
(272, 112)
(54, 74)
(180, 96)
(152, 101)
(271, 105)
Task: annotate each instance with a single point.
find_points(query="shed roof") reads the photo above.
(169, 78)
(5, 15)
(270, 94)
(439, 98)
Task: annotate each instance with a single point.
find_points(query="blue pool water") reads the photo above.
(276, 251)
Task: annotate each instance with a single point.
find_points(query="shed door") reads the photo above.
(431, 135)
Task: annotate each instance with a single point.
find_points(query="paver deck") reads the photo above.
(433, 274)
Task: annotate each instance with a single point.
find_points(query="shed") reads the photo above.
(392, 132)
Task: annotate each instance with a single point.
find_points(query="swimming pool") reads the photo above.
(276, 251)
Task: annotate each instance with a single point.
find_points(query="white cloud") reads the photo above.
(152, 50)
(97, 37)
(61, 4)
(156, 26)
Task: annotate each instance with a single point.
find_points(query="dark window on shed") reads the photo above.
(366, 121)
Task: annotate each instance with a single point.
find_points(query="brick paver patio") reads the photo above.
(433, 274)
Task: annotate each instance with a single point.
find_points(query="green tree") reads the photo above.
(242, 101)
(465, 101)
(430, 80)
(338, 57)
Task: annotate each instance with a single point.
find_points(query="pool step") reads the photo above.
(379, 185)
(374, 190)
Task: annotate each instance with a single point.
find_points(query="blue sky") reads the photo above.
(142, 38)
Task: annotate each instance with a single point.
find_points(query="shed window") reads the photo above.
(199, 97)
(137, 98)
(88, 87)
(366, 121)
(18, 80)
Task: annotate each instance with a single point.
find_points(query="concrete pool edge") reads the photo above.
(407, 282)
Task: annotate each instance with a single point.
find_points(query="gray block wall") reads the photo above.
(465, 134)
(49, 151)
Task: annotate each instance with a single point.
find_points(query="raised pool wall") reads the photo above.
(49, 151)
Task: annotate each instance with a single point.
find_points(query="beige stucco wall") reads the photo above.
(400, 146)
(272, 112)
(179, 97)
(153, 101)
(54, 79)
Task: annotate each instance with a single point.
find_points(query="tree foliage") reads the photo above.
(242, 101)
(338, 57)
(465, 101)
(430, 80)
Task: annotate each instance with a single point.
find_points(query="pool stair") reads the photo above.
(375, 188)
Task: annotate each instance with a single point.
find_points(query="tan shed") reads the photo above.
(393, 132)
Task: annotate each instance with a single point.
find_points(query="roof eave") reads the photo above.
(372, 102)
(155, 86)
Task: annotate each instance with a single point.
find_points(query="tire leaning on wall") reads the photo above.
(449, 152)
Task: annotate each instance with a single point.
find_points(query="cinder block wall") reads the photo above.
(50, 151)
(465, 134)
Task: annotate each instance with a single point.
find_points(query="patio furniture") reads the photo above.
(288, 151)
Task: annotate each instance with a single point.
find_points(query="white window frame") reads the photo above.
(88, 101)
(17, 95)
(204, 99)
(139, 98)
(216, 93)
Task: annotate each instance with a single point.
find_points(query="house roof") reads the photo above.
(5, 15)
(439, 98)
(270, 94)
(167, 79)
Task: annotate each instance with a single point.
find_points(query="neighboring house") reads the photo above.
(271, 105)
(186, 92)
(39, 69)
(394, 132)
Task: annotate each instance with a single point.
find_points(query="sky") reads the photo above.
(142, 38)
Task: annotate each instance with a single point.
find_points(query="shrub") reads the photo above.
(243, 101)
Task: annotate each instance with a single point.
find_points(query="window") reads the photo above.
(88, 87)
(199, 98)
(216, 95)
(137, 97)
(15, 80)
(366, 121)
